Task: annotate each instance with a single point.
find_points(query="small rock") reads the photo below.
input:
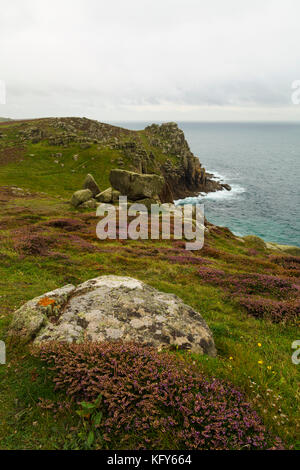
(79, 197)
(90, 183)
(107, 196)
(90, 204)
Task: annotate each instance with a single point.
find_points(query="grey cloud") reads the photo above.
(138, 58)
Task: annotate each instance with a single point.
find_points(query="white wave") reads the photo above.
(236, 190)
(216, 176)
(237, 234)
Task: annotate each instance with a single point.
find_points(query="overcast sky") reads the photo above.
(150, 60)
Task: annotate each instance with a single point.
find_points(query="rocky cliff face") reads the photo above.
(185, 176)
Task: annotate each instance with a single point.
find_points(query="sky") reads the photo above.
(150, 60)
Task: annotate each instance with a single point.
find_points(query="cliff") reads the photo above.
(184, 173)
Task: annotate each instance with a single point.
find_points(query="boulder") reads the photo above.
(109, 195)
(146, 202)
(81, 196)
(90, 183)
(112, 308)
(226, 186)
(90, 204)
(136, 186)
(28, 320)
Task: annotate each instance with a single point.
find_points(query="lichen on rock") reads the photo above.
(29, 319)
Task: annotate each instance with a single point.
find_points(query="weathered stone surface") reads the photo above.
(90, 183)
(31, 317)
(109, 195)
(81, 196)
(90, 204)
(166, 194)
(226, 186)
(136, 186)
(147, 202)
(110, 308)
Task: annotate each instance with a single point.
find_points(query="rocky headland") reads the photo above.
(158, 149)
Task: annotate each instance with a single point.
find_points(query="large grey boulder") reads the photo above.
(136, 186)
(90, 183)
(110, 308)
(81, 196)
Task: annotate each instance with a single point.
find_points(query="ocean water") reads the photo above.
(261, 162)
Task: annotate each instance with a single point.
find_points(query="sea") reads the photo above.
(261, 162)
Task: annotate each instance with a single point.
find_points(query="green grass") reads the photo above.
(38, 171)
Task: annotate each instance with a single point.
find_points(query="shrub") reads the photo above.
(261, 284)
(212, 275)
(287, 262)
(153, 400)
(277, 312)
(186, 260)
(30, 243)
(244, 283)
(70, 225)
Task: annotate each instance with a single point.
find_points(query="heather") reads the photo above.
(153, 400)
(248, 283)
(273, 310)
(263, 296)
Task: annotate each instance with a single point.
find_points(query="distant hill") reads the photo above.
(3, 119)
(55, 154)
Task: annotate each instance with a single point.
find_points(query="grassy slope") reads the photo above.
(271, 386)
(32, 166)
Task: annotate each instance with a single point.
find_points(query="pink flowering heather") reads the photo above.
(155, 399)
(277, 311)
(249, 283)
(290, 263)
(186, 260)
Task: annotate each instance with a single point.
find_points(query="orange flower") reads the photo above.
(45, 301)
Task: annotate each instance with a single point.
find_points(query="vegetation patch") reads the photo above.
(152, 400)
